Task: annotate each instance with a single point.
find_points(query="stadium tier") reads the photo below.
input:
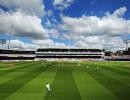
(53, 54)
(69, 54)
(118, 58)
(13, 55)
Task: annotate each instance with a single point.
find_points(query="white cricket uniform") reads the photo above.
(48, 87)
(87, 67)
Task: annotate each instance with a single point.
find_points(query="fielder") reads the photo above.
(48, 87)
(97, 68)
(87, 67)
(43, 64)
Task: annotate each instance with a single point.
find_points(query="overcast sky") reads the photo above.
(102, 24)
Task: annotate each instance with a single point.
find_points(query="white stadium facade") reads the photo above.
(52, 54)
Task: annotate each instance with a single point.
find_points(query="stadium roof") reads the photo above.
(67, 50)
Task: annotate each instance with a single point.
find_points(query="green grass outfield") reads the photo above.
(69, 80)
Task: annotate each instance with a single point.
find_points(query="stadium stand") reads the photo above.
(14, 55)
(127, 52)
(69, 54)
(119, 56)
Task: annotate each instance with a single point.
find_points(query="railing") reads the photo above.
(17, 55)
(69, 52)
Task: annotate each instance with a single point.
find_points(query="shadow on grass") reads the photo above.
(119, 89)
(63, 87)
(11, 86)
(19, 67)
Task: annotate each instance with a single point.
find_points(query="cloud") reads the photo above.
(120, 12)
(84, 32)
(33, 7)
(112, 25)
(97, 32)
(50, 13)
(62, 4)
(48, 43)
(26, 18)
(54, 33)
(21, 45)
(97, 42)
(100, 42)
(23, 25)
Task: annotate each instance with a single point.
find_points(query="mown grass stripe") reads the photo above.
(18, 72)
(10, 65)
(35, 89)
(90, 89)
(118, 88)
(122, 78)
(18, 67)
(11, 86)
(116, 66)
(63, 87)
(116, 69)
(116, 73)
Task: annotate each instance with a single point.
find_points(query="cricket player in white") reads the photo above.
(97, 68)
(87, 67)
(48, 87)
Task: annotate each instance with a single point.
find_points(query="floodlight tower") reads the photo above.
(2, 41)
(11, 28)
(127, 41)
